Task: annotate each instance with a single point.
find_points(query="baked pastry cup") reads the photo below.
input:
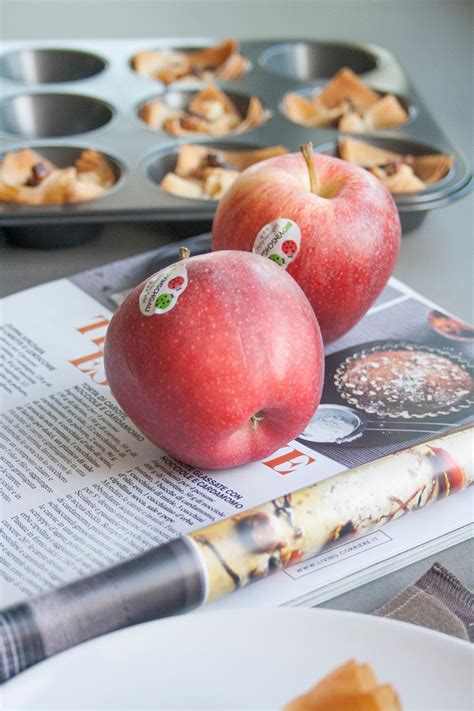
(401, 173)
(223, 62)
(206, 173)
(209, 112)
(27, 178)
(346, 103)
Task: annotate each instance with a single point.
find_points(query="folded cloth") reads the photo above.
(437, 600)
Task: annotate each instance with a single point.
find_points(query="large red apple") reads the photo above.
(342, 230)
(218, 359)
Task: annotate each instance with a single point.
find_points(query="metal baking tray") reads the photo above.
(61, 98)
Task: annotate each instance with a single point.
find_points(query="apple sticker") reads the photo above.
(176, 283)
(276, 258)
(279, 240)
(162, 291)
(289, 247)
(163, 301)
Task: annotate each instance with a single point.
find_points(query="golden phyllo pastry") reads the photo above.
(347, 104)
(206, 173)
(401, 173)
(350, 687)
(209, 112)
(27, 178)
(223, 62)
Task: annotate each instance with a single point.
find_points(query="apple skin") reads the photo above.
(349, 241)
(242, 339)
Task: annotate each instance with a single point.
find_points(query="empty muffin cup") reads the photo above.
(48, 115)
(306, 61)
(49, 66)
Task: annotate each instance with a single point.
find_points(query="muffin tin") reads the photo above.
(60, 99)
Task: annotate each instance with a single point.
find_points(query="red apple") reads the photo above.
(225, 369)
(346, 223)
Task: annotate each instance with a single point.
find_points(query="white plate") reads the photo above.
(247, 659)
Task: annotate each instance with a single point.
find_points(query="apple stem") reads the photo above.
(184, 253)
(307, 151)
(255, 419)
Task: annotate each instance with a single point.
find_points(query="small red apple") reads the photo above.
(227, 371)
(345, 220)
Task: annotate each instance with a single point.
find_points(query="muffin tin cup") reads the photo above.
(178, 99)
(190, 81)
(164, 161)
(50, 233)
(51, 115)
(414, 207)
(311, 61)
(100, 111)
(49, 66)
(309, 93)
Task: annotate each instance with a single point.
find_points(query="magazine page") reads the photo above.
(81, 488)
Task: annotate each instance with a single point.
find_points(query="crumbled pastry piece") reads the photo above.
(312, 112)
(207, 173)
(17, 168)
(385, 113)
(398, 177)
(27, 178)
(217, 181)
(347, 85)
(350, 687)
(209, 112)
(222, 61)
(92, 167)
(404, 382)
(401, 173)
(184, 187)
(347, 104)
(433, 168)
(155, 113)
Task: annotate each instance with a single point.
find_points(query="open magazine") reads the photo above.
(82, 489)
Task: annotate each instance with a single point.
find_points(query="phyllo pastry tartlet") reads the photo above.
(347, 104)
(401, 173)
(27, 178)
(350, 687)
(206, 173)
(223, 62)
(209, 112)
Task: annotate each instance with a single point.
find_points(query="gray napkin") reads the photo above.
(437, 600)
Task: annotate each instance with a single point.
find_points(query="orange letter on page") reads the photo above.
(288, 460)
(92, 326)
(94, 367)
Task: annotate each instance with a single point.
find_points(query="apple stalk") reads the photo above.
(307, 151)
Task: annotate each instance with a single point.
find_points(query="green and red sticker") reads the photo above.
(279, 241)
(162, 291)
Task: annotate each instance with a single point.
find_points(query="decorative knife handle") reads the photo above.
(166, 580)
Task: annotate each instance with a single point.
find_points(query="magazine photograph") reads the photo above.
(236, 357)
